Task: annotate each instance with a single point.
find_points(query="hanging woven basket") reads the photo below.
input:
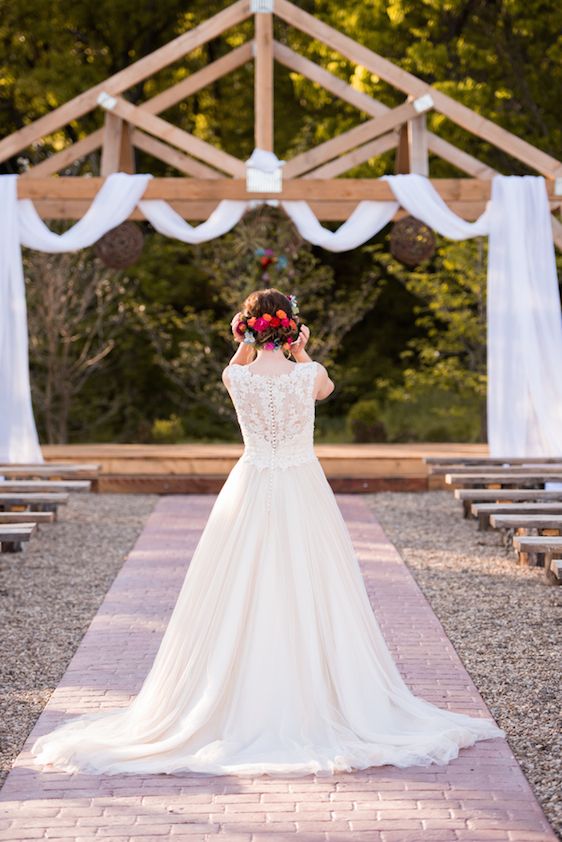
(411, 241)
(120, 247)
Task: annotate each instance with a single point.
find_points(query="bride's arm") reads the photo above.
(324, 386)
(243, 355)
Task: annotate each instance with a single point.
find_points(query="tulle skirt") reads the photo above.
(273, 661)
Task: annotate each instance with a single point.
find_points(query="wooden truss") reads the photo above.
(210, 174)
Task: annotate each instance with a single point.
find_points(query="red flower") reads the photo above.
(285, 322)
(275, 322)
(240, 327)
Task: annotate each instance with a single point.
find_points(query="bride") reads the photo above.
(273, 661)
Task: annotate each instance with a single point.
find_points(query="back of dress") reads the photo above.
(276, 415)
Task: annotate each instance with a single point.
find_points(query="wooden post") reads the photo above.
(263, 81)
(402, 159)
(111, 149)
(126, 150)
(418, 145)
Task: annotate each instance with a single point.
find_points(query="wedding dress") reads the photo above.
(273, 661)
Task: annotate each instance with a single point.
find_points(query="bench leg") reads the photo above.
(550, 572)
(483, 522)
(12, 546)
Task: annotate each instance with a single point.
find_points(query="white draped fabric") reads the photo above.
(524, 324)
(18, 436)
(367, 219)
(168, 222)
(21, 224)
(524, 321)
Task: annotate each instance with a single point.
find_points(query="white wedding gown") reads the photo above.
(273, 661)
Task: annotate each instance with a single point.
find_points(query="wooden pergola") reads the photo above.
(209, 174)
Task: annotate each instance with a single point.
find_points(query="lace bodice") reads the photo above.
(276, 414)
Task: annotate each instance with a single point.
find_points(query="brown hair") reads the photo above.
(269, 301)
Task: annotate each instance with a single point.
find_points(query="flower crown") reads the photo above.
(251, 328)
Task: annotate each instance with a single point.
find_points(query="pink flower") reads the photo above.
(269, 346)
(285, 322)
(261, 324)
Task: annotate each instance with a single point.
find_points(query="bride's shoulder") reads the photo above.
(230, 372)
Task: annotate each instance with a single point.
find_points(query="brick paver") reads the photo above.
(482, 795)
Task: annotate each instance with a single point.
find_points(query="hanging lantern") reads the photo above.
(120, 247)
(411, 241)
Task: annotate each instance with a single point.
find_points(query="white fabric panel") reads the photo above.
(419, 197)
(168, 222)
(367, 219)
(524, 317)
(524, 323)
(20, 223)
(18, 436)
(115, 201)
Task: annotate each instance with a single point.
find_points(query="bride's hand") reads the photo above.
(299, 345)
(237, 336)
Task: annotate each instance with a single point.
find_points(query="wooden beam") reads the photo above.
(66, 156)
(357, 156)
(402, 159)
(201, 209)
(347, 140)
(404, 81)
(171, 156)
(235, 58)
(458, 158)
(177, 137)
(170, 189)
(111, 148)
(263, 81)
(200, 79)
(126, 78)
(299, 64)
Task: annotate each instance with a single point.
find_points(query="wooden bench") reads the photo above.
(12, 535)
(541, 545)
(490, 460)
(507, 478)
(26, 517)
(48, 502)
(468, 496)
(525, 522)
(526, 468)
(44, 485)
(48, 470)
(483, 511)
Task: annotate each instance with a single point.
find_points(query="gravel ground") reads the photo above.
(504, 621)
(49, 594)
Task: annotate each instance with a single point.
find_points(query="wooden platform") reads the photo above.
(202, 468)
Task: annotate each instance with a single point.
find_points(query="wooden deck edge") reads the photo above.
(199, 484)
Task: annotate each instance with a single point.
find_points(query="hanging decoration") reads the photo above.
(122, 246)
(411, 241)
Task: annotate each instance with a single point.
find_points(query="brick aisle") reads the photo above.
(482, 795)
